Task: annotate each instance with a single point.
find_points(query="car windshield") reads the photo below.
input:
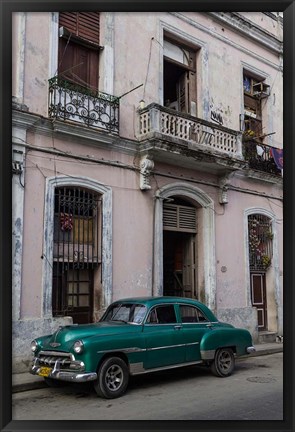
(132, 313)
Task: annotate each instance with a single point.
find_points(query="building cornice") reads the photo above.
(71, 131)
(249, 30)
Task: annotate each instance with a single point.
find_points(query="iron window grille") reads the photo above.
(76, 228)
(260, 242)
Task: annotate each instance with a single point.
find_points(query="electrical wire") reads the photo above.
(86, 161)
(148, 68)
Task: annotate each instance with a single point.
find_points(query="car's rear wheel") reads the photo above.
(112, 378)
(223, 363)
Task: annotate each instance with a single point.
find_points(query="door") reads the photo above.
(78, 64)
(186, 93)
(73, 293)
(194, 326)
(79, 295)
(189, 266)
(163, 338)
(258, 294)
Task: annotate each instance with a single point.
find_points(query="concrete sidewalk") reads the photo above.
(26, 381)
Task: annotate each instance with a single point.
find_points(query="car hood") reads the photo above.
(68, 334)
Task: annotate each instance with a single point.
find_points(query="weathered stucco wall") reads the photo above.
(130, 61)
(133, 55)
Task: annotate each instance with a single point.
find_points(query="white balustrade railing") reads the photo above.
(157, 119)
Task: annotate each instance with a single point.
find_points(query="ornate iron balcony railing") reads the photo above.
(68, 101)
(259, 156)
(197, 132)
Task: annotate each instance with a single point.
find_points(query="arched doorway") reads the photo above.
(200, 240)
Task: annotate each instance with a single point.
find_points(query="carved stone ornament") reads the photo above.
(146, 166)
(223, 188)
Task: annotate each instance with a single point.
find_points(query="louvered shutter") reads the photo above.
(179, 218)
(82, 24)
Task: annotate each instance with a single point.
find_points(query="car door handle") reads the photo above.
(177, 327)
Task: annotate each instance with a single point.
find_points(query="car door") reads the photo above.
(163, 338)
(194, 325)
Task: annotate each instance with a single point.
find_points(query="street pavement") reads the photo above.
(253, 392)
(26, 381)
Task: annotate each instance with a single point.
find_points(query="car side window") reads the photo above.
(191, 314)
(162, 315)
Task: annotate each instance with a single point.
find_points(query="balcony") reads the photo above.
(197, 134)
(260, 157)
(70, 102)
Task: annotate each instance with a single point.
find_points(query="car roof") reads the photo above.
(152, 301)
(158, 299)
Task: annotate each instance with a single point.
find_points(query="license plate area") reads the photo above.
(44, 371)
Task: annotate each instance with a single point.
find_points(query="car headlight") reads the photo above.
(78, 347)
(34, 346)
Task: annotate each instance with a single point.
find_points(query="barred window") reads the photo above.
(76, 251)
(260, 242)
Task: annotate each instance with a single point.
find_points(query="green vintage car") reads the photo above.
(137, 336)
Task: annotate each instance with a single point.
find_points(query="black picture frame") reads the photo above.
(7, 7)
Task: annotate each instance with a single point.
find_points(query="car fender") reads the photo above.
(97, 347)
(235, 338)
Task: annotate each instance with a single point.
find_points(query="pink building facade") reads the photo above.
(148, 160)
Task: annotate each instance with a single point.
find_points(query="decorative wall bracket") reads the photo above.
(223, 187)
(146, 166)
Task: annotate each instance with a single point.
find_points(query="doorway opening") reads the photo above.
(179, 78)
(179, 249)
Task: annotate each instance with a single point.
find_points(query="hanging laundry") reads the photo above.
(66, 222)
(277, 154)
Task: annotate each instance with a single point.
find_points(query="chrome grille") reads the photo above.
(50, 358)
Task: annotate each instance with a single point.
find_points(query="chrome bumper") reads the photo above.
(250, 349)
(63, 375)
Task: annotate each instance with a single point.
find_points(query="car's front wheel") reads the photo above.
(112, 378)
(223, 363)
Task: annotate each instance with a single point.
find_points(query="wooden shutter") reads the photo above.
(82, 24)
(183, 93)
(186, 93)
(179, 218)
(189, 267)
(79, 63)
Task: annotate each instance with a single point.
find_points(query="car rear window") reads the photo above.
(162, 315)
(191, 314)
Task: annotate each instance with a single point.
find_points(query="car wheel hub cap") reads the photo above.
(224, 361)
(114, 377)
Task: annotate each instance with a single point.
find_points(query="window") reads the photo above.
(76, 252)
(78, 53)
(254, 91)
(260, 242)
(162, 315)
(179, 77)
(129, 312)
(190, 314)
